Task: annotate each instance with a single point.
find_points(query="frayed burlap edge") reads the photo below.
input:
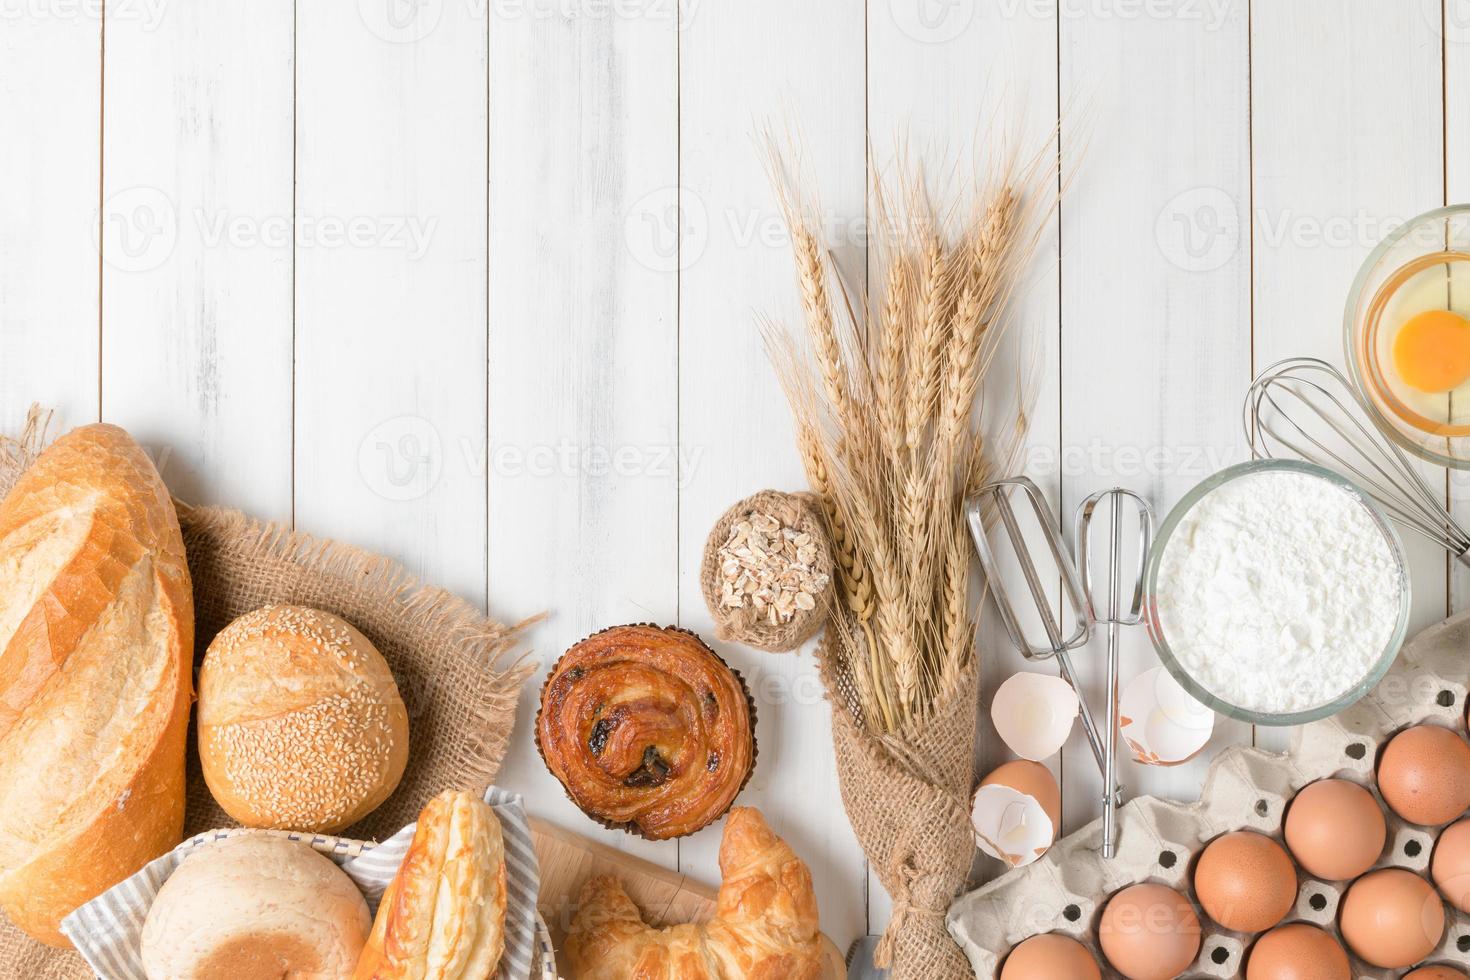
(909, 812)
(477, 639)
(459, 645)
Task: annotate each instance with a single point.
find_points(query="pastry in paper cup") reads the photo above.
(648, 730)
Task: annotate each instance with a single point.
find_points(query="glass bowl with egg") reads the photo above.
(1277, 592)
(1407, 335)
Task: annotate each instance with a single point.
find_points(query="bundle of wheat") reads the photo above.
(888, 397)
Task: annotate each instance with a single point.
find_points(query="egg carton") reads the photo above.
(1245, 789)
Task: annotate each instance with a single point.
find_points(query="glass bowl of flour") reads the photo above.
(1277, 592)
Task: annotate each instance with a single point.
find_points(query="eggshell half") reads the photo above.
(1161, 722)
(1034, 714)
(1016, 812)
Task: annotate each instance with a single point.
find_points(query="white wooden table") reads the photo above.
(510, 339)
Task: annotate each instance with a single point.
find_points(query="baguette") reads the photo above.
(96, 649)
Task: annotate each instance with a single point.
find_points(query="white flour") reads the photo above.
(1278, 592)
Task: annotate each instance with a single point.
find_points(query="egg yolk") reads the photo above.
(1432, 351)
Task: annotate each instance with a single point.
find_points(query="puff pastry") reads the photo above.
(647, 729)
(765, 926)
(443, 915)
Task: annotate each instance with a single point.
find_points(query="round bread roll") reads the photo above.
(255, 907)
(300, 724)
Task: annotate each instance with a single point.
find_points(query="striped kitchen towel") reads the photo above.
(108, 930)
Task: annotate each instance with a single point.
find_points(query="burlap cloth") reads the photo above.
(452, 664)
(914, 829)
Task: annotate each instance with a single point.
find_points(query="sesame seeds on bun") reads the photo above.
(301, 725)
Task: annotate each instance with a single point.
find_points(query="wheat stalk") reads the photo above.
(888, 429)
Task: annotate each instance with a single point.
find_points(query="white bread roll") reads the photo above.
(443, 915)
(255, 907)
(96, 646)
(301, 726)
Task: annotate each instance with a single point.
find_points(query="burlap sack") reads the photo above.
(801, 511)
(914, 829)
(450, 661)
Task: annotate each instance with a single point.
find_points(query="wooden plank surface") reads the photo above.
(50, 230)
(196, 289)
(390, 280)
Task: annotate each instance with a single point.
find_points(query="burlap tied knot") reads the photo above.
(906, 799)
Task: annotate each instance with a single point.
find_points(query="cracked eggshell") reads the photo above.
(1034, 714)
(1016, 812)
(1162, 722)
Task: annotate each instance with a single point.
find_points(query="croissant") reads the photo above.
(765, 925)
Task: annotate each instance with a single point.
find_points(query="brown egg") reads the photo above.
(1451, 866)
(1335, 829)
(1392, 918)
(1424, 775)
(1297, 952)
(1050, 957)
(1245, 881)
(1149, 932)
(1033, 779)
(1436, 973)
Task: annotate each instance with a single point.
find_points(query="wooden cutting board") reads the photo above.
(666, 897)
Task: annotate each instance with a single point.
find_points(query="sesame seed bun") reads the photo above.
(301, 726)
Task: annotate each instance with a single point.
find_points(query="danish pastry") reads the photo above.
(647, 730)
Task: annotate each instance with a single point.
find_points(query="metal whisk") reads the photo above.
(1113, 614)
(1305, 408)
(1056, 645)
